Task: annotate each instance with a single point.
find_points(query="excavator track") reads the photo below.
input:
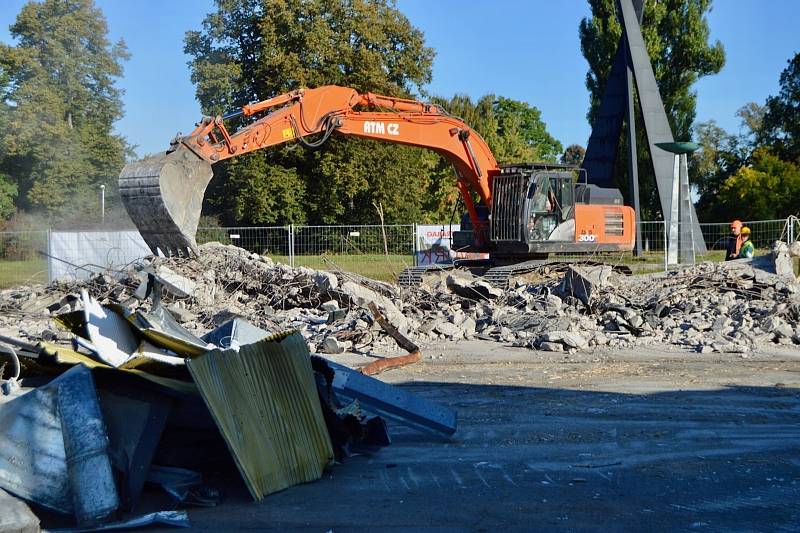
(412, 276)
(499, 276)
(163, 196)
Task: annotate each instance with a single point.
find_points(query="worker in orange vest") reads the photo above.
(734, 241)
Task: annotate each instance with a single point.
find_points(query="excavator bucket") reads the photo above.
(163, 195)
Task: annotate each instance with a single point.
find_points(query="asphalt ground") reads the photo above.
(651, 439)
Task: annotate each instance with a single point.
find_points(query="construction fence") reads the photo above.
(375, 251)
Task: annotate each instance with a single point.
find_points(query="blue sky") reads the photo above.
(522, 49)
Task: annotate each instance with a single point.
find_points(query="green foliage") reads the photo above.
(250, 50)
(739, 176)
(676, 36)
(767, 188)
(525, 134)
(59, 105)
(720, 156)
(272, 191)
(573, 155)
(781, 122)
(8, 197)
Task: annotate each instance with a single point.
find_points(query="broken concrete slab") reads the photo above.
(574, 340)
(325, 281)
(583, 282)
(448, 329)
(474, 289)
(362, 296)
(174, 283)
(546, 346)
(329, 306)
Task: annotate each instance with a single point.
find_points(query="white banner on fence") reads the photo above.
(76, 254)
(433, 245)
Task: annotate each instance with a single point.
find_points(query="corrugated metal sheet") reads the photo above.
(264, 401)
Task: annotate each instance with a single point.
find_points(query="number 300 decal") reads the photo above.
(587, 238)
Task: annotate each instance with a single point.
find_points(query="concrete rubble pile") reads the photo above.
(722, 307)
(145, 379)
(711, 307)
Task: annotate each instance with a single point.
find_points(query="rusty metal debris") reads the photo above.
(414, 355)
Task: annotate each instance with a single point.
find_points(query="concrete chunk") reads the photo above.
(551, 347)
(584, 282)
(325, 281)
(473, 289)
(333, 345)
(180, 286)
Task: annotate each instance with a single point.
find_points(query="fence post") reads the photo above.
(414, 242)
(666, 249)
(49, 257)
(291, 245)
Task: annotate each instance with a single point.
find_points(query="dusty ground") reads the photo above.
(651, 439)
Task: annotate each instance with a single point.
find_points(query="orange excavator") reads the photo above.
(517, 213)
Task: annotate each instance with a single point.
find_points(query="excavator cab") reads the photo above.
(533, 209)
(551, 202)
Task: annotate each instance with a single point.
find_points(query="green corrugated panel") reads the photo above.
(264, 400)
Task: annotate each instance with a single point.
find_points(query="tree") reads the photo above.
(250, 50)
(573, 155)
(513, 130)
(60, 104)
(781, 121)
(676, 35)
(767, 188)
(527, 138)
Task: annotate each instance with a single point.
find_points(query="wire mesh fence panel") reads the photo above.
(375, 251)
(79, 254)
(763, 233)
(792, 229)
(21, 260)
(379, 252)
(272, 241)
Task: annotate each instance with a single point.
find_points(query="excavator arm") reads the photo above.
(164, 194)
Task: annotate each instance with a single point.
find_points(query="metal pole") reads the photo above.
(672, 244)
(633, 164)
(685, 217)
(414, 242)
(102, 204)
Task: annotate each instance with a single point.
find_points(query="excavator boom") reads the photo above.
(164, 194)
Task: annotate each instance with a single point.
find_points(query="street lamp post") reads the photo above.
(102, 204)
(681, 243)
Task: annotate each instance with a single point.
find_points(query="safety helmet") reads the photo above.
(745, 231)
(736, 224)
